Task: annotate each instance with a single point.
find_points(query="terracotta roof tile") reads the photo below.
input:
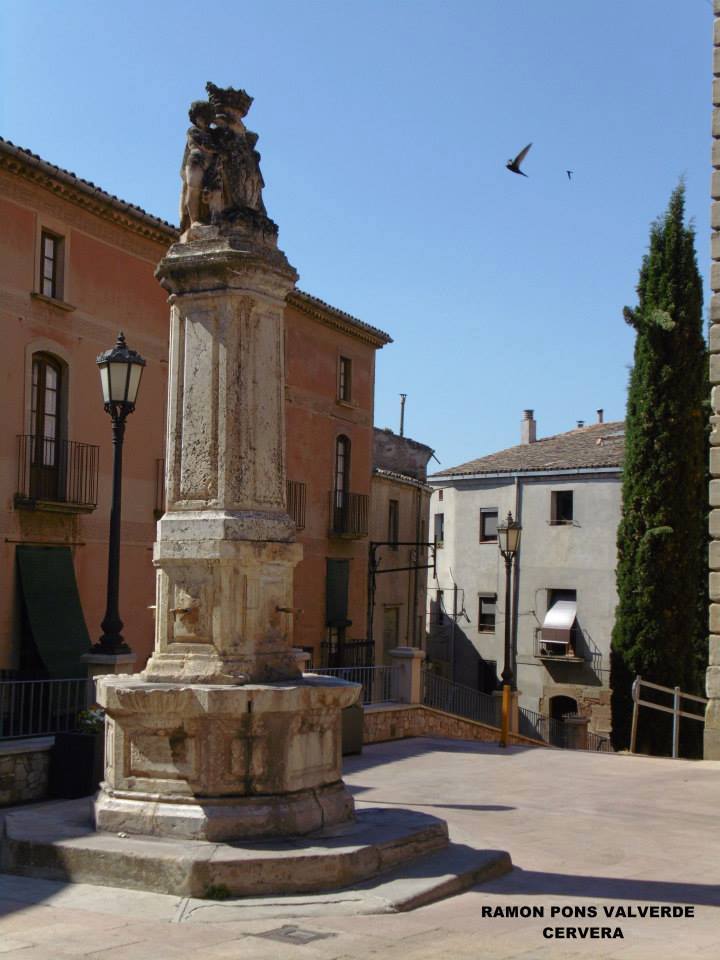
(599, 445)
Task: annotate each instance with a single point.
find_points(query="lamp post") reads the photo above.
(508, 542)
(120, 373)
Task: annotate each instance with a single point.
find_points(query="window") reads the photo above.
(345, 379)
(486, 612)
(45, 418)
(342, 470)
(394, 523)
(439, 528)
(51, 265)
(560, 632)
(440, 495)
(488, 525)
(561, 506)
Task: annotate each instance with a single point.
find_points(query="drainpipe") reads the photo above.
(415, 639)
(516, 582)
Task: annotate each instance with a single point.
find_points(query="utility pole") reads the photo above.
(403, 398)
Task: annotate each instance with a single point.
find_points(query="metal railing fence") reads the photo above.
(379, 684)
(675, 710)
(36, 708)
(443, 694)
(540, 727)
(598, 744)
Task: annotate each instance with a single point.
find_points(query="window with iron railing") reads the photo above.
(349, 514)
(57, 471)
(296, 497)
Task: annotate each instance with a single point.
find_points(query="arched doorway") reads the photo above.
(560, 706)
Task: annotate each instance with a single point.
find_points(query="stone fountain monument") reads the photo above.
(223, 762)
(218, 739)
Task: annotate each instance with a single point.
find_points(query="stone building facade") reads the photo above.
(399, 519)
(76, 266)
(566, 492)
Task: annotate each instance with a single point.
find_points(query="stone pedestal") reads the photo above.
(410, 661)
(101, 664)
(225, 552)
(212, 762)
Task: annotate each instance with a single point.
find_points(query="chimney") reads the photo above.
(600, 415)
(528, 427)
(580, 423)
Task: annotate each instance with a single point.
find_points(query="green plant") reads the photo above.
(91, 720)
(661, 574)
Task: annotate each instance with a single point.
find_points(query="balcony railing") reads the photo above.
(296, 502)
(347, 653)
(555, 650)
(57, 471)
(349, 514)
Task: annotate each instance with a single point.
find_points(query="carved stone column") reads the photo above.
(225, 551)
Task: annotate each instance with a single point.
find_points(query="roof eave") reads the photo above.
(85, 194)
(333, 317)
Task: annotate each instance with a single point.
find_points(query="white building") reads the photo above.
(566, 492)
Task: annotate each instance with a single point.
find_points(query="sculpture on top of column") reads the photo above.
(222, 183)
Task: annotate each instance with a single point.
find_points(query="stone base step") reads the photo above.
(428, 879)
(57, 841)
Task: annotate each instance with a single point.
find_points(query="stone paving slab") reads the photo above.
(583, 830)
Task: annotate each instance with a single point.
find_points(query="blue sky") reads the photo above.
(384, 129)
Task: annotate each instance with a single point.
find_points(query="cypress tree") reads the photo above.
(659, 629)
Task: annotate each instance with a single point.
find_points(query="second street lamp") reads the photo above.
(508, 542)
(120, 373)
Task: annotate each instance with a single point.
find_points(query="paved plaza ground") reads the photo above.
(584, 831)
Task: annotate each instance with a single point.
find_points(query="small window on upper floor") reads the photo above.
(487, 604)
(488, 525)
(561, 506)
(345, 379)
(439, 528)
(393, 523)
(51, 265)
(440, 495)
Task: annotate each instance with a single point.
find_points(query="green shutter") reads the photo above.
(336, 593)
(52, 606)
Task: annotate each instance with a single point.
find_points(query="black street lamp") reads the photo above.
(120, 373)
(508, 542)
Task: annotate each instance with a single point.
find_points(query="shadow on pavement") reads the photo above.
(440, 806)
(604, 888)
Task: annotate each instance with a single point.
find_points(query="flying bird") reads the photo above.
(569, 173)
(514, 165)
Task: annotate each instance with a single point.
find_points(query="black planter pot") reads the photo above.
(77, 765)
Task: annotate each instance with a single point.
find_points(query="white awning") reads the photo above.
(559, 621)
